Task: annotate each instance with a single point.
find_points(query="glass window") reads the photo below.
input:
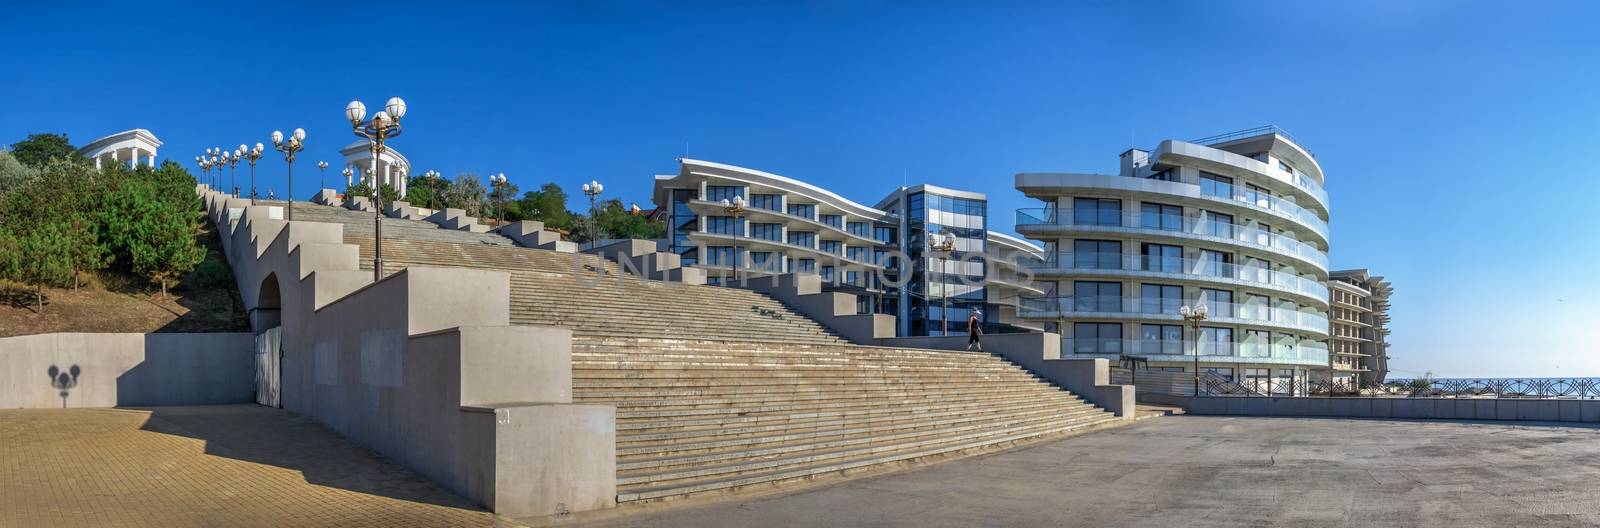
(832, 246)
(826, 272)
(1216, 341)
(837, 221)
(1214, 185)
(1097, 254)
(1219, 225)
(803, 264)
(762, 259)
(769, 202)
(1161, 216)
(883, 234)
(1225, 373)
(1218, 302)
(1163, 258)
(1097, 338)
(722, 225)
(1216, 263)
(856, 253)
(1091, 296)
(766, 231)
(803, 210)
(1165, 175)
(803, 238)
(1160, 298)
(1161, 339)
(717, 193)
(720, 255)
(1097, 211)
(860, 229)
(1257, 195)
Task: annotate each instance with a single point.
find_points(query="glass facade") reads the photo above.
(945, 288)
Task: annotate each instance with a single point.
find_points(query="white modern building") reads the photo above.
(1359, 327)
(881, 252)
(1236, 222)
(131, 147)
(389, 169)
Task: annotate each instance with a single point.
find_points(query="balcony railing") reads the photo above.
(1300, 352)
(1192, 226)
(1188, 268)
(1299, 179)
(1049, 307)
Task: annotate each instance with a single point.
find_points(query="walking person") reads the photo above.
(974, 329)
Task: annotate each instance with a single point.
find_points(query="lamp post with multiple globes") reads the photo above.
(384, 125)
(289, 146)
(231, 159)
(250, 154)
(499, 183)
(593, 190)
(1194, 316)
(941, 245)
(432, 177)
(736, 210)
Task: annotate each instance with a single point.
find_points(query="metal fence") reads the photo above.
(1539, 388)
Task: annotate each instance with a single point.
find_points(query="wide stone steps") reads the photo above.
(672, 456)
(785, 409)
(679, 434)
(835, 397)
(802, 465)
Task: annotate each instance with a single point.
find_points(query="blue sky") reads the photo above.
(1454, 134)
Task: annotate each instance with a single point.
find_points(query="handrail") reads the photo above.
(1249, 133)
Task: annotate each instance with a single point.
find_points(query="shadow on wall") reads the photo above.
(190, 369)
(292, 441)
(64, 381)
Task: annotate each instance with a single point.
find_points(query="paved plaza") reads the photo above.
(235, 466)
(1190, 471)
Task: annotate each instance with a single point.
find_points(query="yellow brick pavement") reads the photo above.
(223, 466)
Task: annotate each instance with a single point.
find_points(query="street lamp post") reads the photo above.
(347, 181)
(1194, 316)
(384, 125)
(736, 210)
(943, 244)
(322, 175)
(432, 178)
(232, 159)
(499, 183)
(205, 171)
(289, 146)
(251, 154)
(593, 189)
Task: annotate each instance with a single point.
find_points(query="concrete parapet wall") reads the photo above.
(834, 310)
(643, 258)
(1040, 354)
(531, 233)
(1517, 409)
(424, 367)
(46, 371)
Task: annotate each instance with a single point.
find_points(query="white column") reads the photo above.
(387, 179)
(97, 162)
(133, 158)
(152, 158)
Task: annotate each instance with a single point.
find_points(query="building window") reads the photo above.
(1257, 195)
(1219, 225)
(860, 229)
(772, 232)
(1161, 216)
(803, 238)
(1097, 338)
(720, 255)
(1214, 185)
(1216, 341)
(807, 211)
(770, 202)
(761, 259)
(1161, 339)
(1092, 296)
(883, 234)
(1163, 258)
(1225, 373)
(1216, 263)
(717, 193)
(722, 225)
(879, 256)
(1219, 301)
(1160, 298)
(1097, 254)
(856, 253)
(1165, 175)
(1285, 167)
(803, 264)
(832, 246)
(827, 273)
(836, 221)
(1097, 211)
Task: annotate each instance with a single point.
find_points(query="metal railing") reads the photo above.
(1534, 388)
(1169, 223)
(1287, 350)
(1248, 133)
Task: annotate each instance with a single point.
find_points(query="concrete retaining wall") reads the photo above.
(424, 367)
(110, 370)
(1418, 408)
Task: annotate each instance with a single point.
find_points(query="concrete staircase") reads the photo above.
(721, 389)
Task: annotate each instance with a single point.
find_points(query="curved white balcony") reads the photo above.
(1037, 222)
(1118, 264)
(1162, 309)
(759, 215)
(1287, 352)
(1234, 197)
(749, 244)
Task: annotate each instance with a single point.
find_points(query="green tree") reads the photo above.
(360, 189)
(504, 197)
(13, 173)
(617, 221)
(465, 193)
(389, 193)
(548, 205)
(39, 149)
(43, 258)
(64, 195)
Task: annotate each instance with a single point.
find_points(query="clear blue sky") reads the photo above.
(1455, 135)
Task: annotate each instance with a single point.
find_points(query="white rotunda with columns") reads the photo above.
(132, 146)
(391, 170)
